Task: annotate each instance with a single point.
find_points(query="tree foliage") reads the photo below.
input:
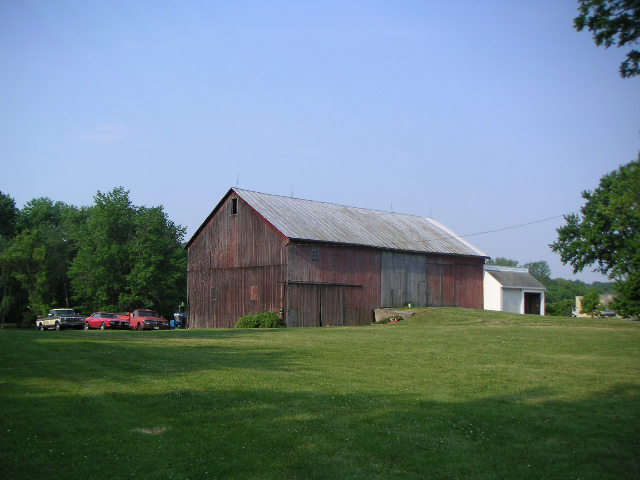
(8, 284)
(606, 235)
(8, 216)
(561, 308)
(613, 22)
(540, 270)
(40, 253)
(503, 262)
(591, 302)
(112, 255)
(128, 257)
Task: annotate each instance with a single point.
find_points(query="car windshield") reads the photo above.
(147, 313)
(107, 315)
(64, 312)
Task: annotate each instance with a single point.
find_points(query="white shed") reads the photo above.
(515, 290)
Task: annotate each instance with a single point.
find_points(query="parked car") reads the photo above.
(104, 320)
(59, 319)
(141, 319)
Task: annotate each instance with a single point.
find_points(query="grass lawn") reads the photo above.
(447, 394)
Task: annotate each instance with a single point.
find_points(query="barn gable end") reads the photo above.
(236, 266)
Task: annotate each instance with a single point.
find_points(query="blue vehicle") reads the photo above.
(179, 320)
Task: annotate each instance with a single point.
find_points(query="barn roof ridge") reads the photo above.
(329, 203)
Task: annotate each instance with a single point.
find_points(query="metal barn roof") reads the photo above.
(300, 219)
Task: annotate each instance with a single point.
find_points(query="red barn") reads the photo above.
(322, 264)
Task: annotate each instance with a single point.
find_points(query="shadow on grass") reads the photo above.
(249, 433)
(126, 357)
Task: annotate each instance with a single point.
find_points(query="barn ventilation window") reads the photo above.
(315, 254)
(234, 206)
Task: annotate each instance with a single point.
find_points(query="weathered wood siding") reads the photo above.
(236, 266)
(331, 285)
(431, 280)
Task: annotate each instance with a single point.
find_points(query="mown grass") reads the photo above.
(447, 394)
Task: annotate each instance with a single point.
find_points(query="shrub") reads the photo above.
(268, 320)
(248, 321)
(560, 308)
(259, 320)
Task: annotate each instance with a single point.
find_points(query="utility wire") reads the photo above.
(511, 227)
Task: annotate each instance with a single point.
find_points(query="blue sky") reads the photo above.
(482, 114)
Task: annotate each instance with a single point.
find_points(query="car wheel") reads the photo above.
(41, 327)
(57, 326)
(86, 326)
(141, 326)
(103, 326)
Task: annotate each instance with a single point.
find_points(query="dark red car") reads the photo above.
(141, 319)
(104, 320)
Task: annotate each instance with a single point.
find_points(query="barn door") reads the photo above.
(315, 305)
(331, 306)
(303, 305)
(422, 300)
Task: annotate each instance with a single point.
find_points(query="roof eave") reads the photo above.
(376, 247)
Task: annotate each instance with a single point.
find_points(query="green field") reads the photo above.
(447, 394)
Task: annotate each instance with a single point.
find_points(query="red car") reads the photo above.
(141, 319)
(104, 320)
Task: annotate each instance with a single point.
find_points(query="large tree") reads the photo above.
(613, 22)
(606, 235)
(503, 262)
(8, 284)
(40, 253)
(540, 270)
(128, 257)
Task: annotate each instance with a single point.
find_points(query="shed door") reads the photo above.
(511, 300)
(532, 303)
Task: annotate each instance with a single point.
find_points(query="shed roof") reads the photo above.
(514, 277)
(299, 219)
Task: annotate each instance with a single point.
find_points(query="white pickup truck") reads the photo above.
(60, 318)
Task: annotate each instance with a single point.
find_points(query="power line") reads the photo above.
(511, 227)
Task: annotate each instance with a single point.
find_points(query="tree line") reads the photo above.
(110, 256)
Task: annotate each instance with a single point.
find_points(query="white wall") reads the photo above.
(492, 293)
